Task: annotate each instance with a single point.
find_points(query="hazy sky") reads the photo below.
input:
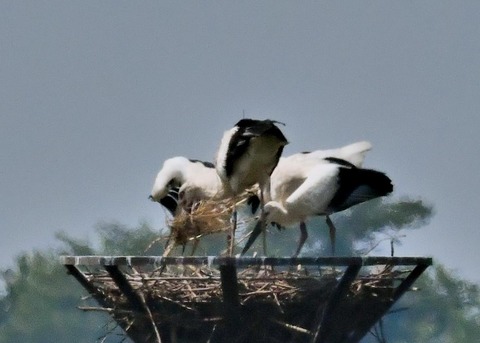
(94, 95)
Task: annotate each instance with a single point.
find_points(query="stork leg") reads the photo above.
(262, 219)
(257, 230)
(302, 239)
(332, 233)
(264, 238)
(231, 240)
(194, 246)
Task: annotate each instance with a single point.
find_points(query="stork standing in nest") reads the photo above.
(248, 154)
(191, 190)
(182, 183)
(319, 183)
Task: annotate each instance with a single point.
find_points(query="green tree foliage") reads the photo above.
(444, 309)
(40, 300)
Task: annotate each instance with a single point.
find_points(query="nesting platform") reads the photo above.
(246, 299)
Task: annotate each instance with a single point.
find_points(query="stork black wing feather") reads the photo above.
(240, 140)
(357, 185)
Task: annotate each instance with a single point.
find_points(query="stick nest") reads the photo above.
(192, 285)
(188, 299)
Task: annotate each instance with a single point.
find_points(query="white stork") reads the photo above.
(185, 181)
(319, 183)
(181, 183)
(248, 154)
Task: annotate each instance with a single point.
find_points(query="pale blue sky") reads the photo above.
(95, 95)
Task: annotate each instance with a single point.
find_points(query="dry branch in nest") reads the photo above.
(207, 217)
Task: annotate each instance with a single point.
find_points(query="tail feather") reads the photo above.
(355, 153)
(359, 185)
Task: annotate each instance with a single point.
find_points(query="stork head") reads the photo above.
(171, 175)
(274, 212)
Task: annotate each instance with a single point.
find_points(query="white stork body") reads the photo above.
(181, 183)
(320, 183)
(292, 171)
(248, 154)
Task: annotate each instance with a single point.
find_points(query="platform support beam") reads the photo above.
(231, 305)
(325, 316)
(143, 318)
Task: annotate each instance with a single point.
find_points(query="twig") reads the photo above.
(92, 308)
(278, 302)
(156, 240)
(292, 327)
(147, 309)
(190, 289)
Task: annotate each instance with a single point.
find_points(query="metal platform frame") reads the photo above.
(332, 323)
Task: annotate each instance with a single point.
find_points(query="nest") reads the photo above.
(196, 285)
(189, 299)
(203, 286)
